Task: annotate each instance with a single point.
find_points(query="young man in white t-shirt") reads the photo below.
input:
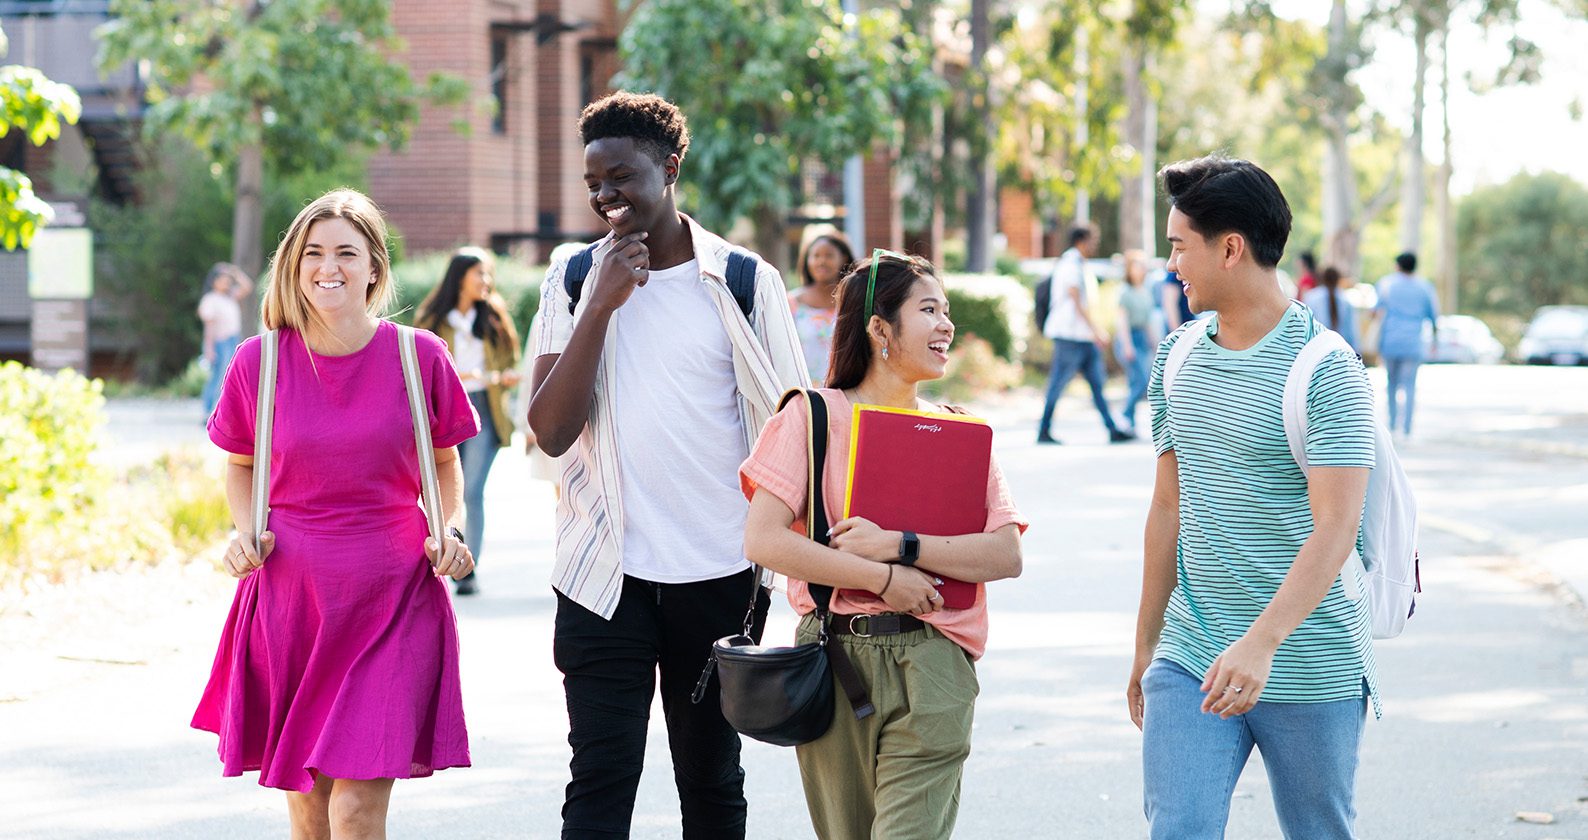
(654, 383)
(1077, 342)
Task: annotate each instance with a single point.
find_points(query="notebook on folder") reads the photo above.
(921, 471)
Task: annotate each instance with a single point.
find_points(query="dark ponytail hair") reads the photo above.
(1331, 281)
(852, 352)
(492, 324)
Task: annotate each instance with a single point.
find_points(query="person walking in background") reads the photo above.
(221, 312)
(1172, 300)
(655, 383)
(337, 671)
(896, 773)
(1135, 340)
(1246, 635)
(1405, 302)
(814, 304)
(1306, 276)
(1077, 342)
(472, 319)
(1331, 308)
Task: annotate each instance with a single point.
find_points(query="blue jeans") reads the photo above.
(1070, 358)
(1402, 375)
(477, 454)
(224, 350)
(1136, 373)
(1191, 760)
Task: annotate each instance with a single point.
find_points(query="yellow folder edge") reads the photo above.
(854, 437)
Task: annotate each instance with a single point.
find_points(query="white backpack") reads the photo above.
(1388, 563)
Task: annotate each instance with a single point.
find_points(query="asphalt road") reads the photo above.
(1485, 705)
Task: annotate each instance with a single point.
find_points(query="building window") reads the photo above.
(499, 51)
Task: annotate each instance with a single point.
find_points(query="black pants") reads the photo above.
(609, 677)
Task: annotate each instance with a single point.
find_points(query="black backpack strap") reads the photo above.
(574, 275)
(741, 281)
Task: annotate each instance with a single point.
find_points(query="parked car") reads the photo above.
(1463, 340)
(1557, 335)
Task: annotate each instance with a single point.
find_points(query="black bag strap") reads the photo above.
(816, 526)
(741, 281)
(573, 276)
(741, 278)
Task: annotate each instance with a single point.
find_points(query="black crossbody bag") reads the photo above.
(784, 695)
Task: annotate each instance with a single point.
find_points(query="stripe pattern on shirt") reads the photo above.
(1244, 511)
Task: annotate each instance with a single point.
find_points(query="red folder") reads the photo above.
(924, 472)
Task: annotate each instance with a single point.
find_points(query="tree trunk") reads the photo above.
(1341, 244)
(1413, 183)
(1445, 266)
(1130, 193)
(978, 216)
(769, 242)
(247, 224)
(1149, 169)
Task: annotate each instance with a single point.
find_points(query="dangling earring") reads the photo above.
(884, 351)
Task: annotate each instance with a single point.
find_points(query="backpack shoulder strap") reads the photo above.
(413, 383)
(264, 425)
(1298, 382)
(741, 281)
(1181, 351)
(574, 275)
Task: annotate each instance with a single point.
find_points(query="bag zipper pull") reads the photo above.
(705, 677)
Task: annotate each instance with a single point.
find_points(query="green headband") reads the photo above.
(871, 282)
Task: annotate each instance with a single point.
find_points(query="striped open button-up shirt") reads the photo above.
(766, 362)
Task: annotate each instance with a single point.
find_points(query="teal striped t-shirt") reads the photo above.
(1244, 512)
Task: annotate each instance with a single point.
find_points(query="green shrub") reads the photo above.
(982, 317)
(64, 513)
(50, 426)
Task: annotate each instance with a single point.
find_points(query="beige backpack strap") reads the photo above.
(264, 425)
(414, 384)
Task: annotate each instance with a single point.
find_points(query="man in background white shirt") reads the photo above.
(1077, 342)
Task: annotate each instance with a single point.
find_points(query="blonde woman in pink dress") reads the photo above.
(337, 670)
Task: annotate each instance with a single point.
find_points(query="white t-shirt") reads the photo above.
(468, 352)
(221, 314)
(680, 439)
(1064, 318)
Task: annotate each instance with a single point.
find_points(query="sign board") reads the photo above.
(60, 335)
(61, 264)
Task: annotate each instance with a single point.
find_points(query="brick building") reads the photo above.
(512, 182)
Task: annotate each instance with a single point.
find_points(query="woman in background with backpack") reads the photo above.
(337, 671)
(896, 773)
(468, 314)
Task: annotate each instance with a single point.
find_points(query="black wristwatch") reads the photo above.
(909, 549)
(453, 532)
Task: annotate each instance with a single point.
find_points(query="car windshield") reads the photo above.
(1560, 323)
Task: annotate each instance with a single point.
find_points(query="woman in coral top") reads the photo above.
(896, 773)
(337, 670)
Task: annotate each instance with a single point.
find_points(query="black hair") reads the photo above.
(653, 123)
(1308, 261)
(492, 324)
(1222, 195)
(1080, 233)
(896, 276)
(1331, 281)
(1407, 262)
(846, 254)
(216, 272)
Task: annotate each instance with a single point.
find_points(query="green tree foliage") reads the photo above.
(767, 84)
(1524, 244)
(51, 426)
(286, 86)
(35, 106)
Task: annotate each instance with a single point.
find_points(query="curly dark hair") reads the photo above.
(649, 120)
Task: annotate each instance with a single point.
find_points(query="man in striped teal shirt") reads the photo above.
(1247, 634)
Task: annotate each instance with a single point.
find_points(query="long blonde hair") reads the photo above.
(285, 303)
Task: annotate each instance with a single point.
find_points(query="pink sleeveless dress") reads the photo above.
(340, 654)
